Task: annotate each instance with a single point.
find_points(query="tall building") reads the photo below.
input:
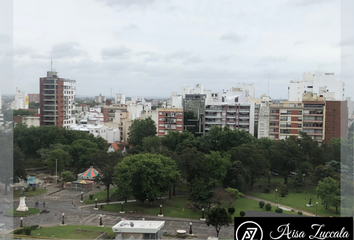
(120, 98)
(321, 83)
(100, 99)
(193, 113)
(336, 120)
(21, 100)
(33, 97)
(169, 119)
(57, 100)
(263, 117)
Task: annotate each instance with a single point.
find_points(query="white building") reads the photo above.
(263, 118)
(174, 101)
(21, 100)
(248, 87)
(109, 134)
(119, 98)
(321, 83)
(135, 229)
(100, 99)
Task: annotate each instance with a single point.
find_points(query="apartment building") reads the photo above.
(289, 118)
(33, 97)
(234, 115)
(109, 111)
(336, 120)
(57, 100)
(193, 113)
(169, 119)
(109, 134)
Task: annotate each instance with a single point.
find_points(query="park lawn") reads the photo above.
(297, 200)
(101, 196)
(69, 232)
(30, 193)
(178, 207)
(13, 212)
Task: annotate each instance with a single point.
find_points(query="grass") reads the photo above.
(13, 212)
(297, 200)
(101, 196)
(179, 207)
(69, 232)
(30, 193)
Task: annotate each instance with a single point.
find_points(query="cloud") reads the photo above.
(124, 4)
(306, 3)
(274, 59)
(346, 42)
(177, 55)
(116, 52)
(233, 37)
(192, 60)
(130, 27)
(66, 50)
(225, 58)
(4, 38)
(299, 43)
(149, 56)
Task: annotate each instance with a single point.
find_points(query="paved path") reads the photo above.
(280, 205)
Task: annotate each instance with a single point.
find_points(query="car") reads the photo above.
(275, 173)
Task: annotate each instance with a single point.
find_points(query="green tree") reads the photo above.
(147, 176)
(321, 172)
(33, 105)
(298, 181)
(139, 129)
(106, 163)
(152, 144)
(218, 218)
(81, 151)
(57, 160)
(253, 158)
(328, 191)
(19, 164)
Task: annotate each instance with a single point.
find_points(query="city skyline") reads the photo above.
(151, 48)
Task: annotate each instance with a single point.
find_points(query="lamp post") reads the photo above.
(190, 229)
(316, 208)
(203, 218)
(82, 197)
(21, 223)
(122, 209)
(101, 225)
(63, 222)
(56, 170)
(160, 215)
(276, 195)
(96, 208)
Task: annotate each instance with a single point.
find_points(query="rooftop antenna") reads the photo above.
(51, 65)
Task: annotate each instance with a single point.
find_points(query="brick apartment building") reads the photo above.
(169, 119)
(57, 100)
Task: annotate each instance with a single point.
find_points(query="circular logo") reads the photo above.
(249, 230)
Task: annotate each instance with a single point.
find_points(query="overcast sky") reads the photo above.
(151, 48)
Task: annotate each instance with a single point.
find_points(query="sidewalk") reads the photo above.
(280, 205)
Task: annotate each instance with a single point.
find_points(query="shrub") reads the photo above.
(26, 189)
(91, 196)
(242, 213)
(267, 190)
(34, 227)
(27, 230)
(278, 210)
(299, 212)
(34, 188)
(68, 178)
(261, 204)
(268, 207)
(18, 231)
(231, 210)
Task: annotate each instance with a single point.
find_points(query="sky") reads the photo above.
(151, 48)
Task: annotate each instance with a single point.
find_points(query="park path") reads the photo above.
(279, 205)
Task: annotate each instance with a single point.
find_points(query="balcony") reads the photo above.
(231, 110)
(212, 122)
(231, 116)
(243, 123)
(213, 110)
(244, 110)
(244, 117)
(213, 116)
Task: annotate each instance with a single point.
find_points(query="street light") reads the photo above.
(202, 215)
(190, 228)
(82, 197)
(160, 215)
(63, 222)
(122, 209)
(276, 195)
(96, 208)
(316, 208)
(21, 224)
(101, 225)
(56, 169)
